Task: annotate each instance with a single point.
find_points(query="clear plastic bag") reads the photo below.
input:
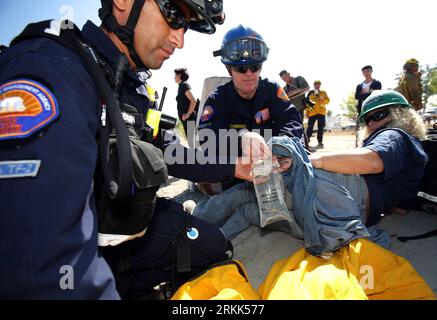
(269, 193)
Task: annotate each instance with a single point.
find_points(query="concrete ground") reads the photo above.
(258, 249)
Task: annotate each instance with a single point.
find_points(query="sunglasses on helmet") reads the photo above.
(377, 116)
(252, 68)
(172, 14)
(244, 49)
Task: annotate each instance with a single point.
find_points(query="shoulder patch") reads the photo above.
(26, 106)
(282, 95)
(207, 113)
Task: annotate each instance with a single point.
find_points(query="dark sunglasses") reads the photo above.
(252, 68)
(173, 15)
(377, 116)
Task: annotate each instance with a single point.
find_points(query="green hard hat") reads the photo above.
(382, 98)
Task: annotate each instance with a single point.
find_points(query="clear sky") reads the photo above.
(318, 39)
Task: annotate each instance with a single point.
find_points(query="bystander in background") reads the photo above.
(363, 91)
(316, 111)
(410, 85)
(186, 104)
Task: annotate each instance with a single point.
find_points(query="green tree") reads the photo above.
(429, 82)
(349, 106)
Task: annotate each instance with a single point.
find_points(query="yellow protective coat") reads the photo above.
(361, 270)
(320, 101)
(222, 282)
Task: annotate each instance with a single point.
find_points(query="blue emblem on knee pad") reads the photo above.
(193, 233)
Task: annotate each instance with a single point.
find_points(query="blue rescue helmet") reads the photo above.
(242, 46)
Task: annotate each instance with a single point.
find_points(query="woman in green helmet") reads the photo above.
(390, 161)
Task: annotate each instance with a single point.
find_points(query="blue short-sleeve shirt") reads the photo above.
(404, 161)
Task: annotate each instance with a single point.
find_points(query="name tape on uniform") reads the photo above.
(19, 169)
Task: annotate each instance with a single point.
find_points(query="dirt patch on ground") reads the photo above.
(336, 140)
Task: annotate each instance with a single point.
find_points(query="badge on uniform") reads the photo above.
(282, 95)
(262, 116)
(26, 106)
(207, 113)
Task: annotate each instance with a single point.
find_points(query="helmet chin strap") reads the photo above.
(125, 33)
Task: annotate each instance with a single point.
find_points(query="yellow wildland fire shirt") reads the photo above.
(320, 101)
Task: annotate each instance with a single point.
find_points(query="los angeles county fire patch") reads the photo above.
(26, 106)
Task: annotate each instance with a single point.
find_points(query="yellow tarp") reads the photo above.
(226, 282)
(361, 270)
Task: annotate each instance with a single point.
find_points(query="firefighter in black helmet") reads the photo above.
(203, 14)
(48, 174)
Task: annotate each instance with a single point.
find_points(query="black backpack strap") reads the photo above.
(120, 188)
(183, 247)
(420, 236)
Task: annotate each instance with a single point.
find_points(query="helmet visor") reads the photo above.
(250, 49)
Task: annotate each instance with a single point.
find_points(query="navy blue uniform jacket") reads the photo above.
(48, 224)
(270, 109)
